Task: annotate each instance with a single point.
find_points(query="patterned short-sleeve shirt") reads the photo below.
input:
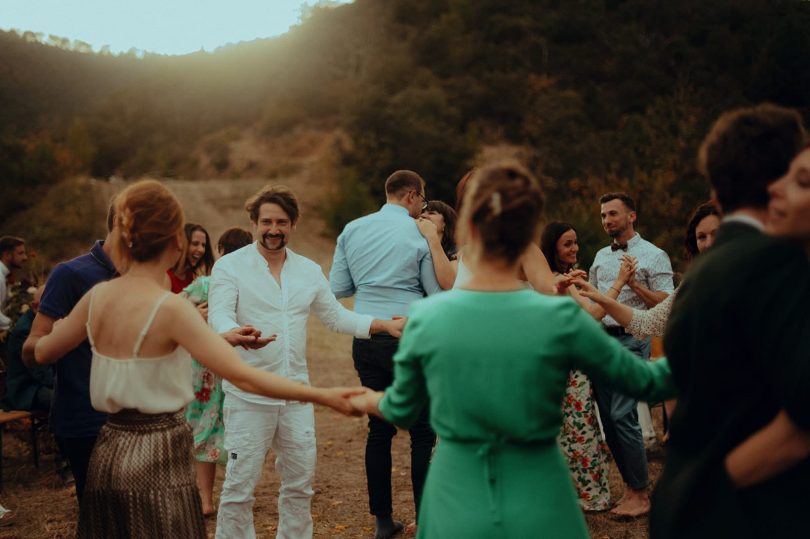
(654, 271)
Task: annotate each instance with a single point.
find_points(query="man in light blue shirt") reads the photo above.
(383, 260)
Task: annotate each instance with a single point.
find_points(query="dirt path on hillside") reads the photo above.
(47, 509)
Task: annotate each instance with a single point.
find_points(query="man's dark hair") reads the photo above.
(746, 150)
(625, 198)
(234, 238)
(403, 180)
(273, 194)
(9, 243)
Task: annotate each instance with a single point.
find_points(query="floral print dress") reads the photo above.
(582, 444)
(204, 413)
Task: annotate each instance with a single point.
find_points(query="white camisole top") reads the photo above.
(151, 385)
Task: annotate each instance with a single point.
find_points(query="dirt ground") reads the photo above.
(47, 509)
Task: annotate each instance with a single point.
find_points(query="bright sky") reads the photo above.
(161, 26)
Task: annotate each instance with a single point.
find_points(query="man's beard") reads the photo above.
(618, 231)
(281, 244)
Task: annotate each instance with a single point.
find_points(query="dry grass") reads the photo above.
(48, 510)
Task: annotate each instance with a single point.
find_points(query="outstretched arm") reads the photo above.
(535, 266)
(777, 447)
(190, 332)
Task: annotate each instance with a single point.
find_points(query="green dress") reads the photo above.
(494, 367)
(204, 413)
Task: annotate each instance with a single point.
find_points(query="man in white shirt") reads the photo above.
(270, 287)
(12, 256)
(650, 285)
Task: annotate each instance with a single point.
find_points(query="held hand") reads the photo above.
(589, 291)
(247, 337)
(578, 274)
(339, 399)
(427, 228)
(367, 403)
(561, 282)
(627, 269)
(395, 326)
(202, 308)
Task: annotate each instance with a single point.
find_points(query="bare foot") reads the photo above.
(632, 506)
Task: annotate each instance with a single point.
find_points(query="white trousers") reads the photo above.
(250, 430)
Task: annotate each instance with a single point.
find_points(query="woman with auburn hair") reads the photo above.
(491, 360)
(140, 481)
(196, 260)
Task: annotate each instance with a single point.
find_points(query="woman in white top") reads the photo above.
(140, 481)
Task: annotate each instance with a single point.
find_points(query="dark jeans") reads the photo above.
(42, 399)
(620, 420)
(373, 359)
(77, 451)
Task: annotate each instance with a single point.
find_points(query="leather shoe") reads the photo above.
(386, 534)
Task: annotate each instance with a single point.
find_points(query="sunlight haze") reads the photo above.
(160, 26)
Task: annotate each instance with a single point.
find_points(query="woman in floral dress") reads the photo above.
(204, 413)
(580, 438)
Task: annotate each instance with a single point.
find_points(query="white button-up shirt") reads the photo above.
(243, 291)
(654, 271)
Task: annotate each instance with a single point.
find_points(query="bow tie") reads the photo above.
(617, 246)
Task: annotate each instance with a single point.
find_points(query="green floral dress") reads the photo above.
(204, 413)
(582, 444)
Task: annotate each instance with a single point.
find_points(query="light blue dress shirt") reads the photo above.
(385, 262)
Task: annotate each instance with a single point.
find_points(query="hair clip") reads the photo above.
(495, 203)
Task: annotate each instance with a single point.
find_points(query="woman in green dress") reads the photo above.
(492, 360)
(204, 413)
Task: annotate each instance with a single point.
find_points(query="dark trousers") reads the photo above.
(373, 359)
(620, 421)
(42, 399)
(77, 451)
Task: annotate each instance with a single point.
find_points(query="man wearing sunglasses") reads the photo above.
(385, 262)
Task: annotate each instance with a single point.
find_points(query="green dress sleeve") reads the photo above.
(404, 400)
(607, 362)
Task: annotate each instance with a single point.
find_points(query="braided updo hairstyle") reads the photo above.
(147, 219)
(503, 203)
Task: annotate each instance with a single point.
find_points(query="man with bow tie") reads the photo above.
(650, 285)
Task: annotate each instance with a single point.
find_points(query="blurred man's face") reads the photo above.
(18, 257)
(616, 217)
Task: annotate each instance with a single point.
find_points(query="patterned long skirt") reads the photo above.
(140, 481)
(582, 444)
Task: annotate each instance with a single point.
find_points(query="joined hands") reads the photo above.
(247, 337)
(351, 401)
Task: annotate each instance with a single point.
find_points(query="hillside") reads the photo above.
(597, 95)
